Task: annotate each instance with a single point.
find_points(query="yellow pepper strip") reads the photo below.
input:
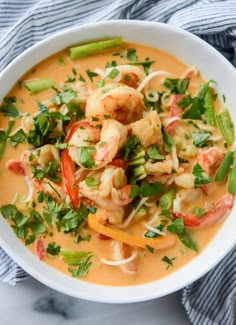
(132, 240)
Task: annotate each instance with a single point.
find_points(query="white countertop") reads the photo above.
(31, 303)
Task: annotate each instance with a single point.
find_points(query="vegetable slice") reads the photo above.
(224, 167)
(36, 86)
(232, 179)
(226, 126)
(132, 240)
(209, 108)
(85, 50)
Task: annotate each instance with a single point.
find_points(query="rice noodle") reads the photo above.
(120, 262)
(174, 158)
(132, 214)
(152, 75)
(154, 218)
(170, 120)
(157, 231)
(31, 189)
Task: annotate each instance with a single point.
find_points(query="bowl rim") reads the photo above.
(100, 293)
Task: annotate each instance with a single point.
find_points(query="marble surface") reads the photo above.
(31, 303)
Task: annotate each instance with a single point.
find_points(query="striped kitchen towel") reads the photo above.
(210, 300)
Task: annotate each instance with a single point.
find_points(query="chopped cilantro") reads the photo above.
(201, 177)
(85, 156)
(200, 138)
(150, 249)
(91, 74)
(91, 182)
(185, 102)
(18, 137)
(81, 78)
(6, 135)
(111, 64)
(153, 152)
(147, 189)
(82, 238)
(131, 55)
(199, 212)
(168, 141)
(177, 86)
(52, 249)
(169, 261)
(8, 108)
(65, 96)
(177, 227)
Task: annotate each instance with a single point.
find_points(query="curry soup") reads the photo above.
(116, 166)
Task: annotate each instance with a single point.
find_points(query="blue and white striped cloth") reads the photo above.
(212, 299)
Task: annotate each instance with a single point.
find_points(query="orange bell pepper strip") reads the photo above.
(132, 240)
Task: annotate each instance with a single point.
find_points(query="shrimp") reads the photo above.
(111, 177)
(41, 156)
(116, 198)
(130, 75)
(121, 252)
(159, 168)
(215, 213)
(148, 129)
(97, 148)
(119, 101)
(209, 159)
(175, 114)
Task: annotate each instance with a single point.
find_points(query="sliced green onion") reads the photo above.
(152, 95)
(82, 51)
(166, 199)
(36, 86)
(224, 166)
(209, 106)
(232, 179)
(226, 126)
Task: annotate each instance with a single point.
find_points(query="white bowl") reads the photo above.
(191, 50)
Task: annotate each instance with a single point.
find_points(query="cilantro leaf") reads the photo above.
(131, 144)
(83, 269)
(131, 55)
(199, 212)
(91, 182)
(201, 177)
(85, 156)
(153, 152)
(200, 138)
(52, 249)
(91, 74)
(8, 108)
(177, 86)
(195, 111)
(185, 102)
(147, 189)
(74, 258)
(18, 137)
(168, 140)
(134, 192)
(177, 227)
(168, 260)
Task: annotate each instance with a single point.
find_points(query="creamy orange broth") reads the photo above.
(150, 266)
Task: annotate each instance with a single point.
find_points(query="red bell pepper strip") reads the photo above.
(40, 249)
(68, 166)
(216, 212)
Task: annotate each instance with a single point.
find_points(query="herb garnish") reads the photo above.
(52, 249)
(153, 152)
(91, 74)
(177, 227)
(177, 86)
(4, 137)
(199, 212)
(201, 176)
(200, 138)
(91, 182)
(169, 261)
(8, 108)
